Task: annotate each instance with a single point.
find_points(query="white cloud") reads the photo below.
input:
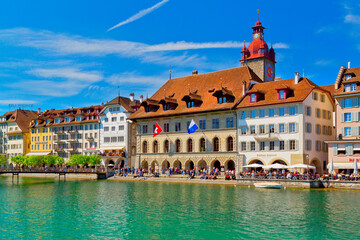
(140, 14)
(61, 44)
(68, 73)
(69, 82)
(280, 46)
(323, 62)
(16, 101)
(350, 18)
(134, 78)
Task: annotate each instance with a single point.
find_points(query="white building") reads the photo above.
(286, 122)
(117, 134)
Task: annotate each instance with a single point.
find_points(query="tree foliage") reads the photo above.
(38, 160)
(84, 160)
(3, 160)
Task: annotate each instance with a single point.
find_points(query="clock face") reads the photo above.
(269, 72)
(256, 36)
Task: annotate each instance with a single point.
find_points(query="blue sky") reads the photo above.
(59, 54)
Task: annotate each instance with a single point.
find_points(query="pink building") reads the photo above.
(346, 148)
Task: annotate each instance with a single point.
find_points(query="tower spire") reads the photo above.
(258, 14)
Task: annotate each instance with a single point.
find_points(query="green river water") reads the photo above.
(47, 209)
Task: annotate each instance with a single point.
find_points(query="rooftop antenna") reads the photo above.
(303, 73)
(170, 72)
(118, 94)
(258, 14)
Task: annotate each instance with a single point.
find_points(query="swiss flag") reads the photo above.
(157, 129)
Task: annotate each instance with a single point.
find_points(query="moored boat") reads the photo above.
(268, 185)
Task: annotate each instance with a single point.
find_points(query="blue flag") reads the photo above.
(192, 127)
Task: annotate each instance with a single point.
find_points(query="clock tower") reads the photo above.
(258, 56)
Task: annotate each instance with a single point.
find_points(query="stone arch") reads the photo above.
(229, 165)
(316, 163)
(202, 164)
(279, 160)
(155, 146)
(145, 165)
(166, 146)
(144, 146)
(202, 145)
(154, 165)
(165, 164)
(215, 164)
(229, 144)
(177, 164)
(216, 144)
(256, 160)
(190, 145)
(120, 163)
(177, 145)
(189, 165)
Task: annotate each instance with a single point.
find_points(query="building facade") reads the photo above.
(286, 122)
(346, 148)
(208, 99)
(66, 132)
(18, 136)
(117, 134)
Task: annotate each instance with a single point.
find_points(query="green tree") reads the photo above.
(94, 159)
(18, 160)
(3, 160)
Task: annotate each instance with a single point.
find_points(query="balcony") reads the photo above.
(90, 139)
(267, 137)
(74, 139)
(74, 130)
(59, 149)
(73, 149)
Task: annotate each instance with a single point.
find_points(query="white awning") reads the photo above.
(38, 153)
(349, 165)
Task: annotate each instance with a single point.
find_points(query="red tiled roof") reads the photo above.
(202, 85)
(125, 103)
(298, 92)
(355, 72)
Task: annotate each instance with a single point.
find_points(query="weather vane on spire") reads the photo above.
(258, 14)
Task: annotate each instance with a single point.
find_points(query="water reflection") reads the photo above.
(37, 208)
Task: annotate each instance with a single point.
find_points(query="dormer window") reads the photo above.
(223, 99)
(67, 119)
(285, 92)
(282, 94)
(36, 122)
(347, 77)
(47, 121)
(350, 87)
(57, 120)
(190, 104)
(253, 97)
(78, 119)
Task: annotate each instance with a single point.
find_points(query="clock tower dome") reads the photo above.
(258, 56)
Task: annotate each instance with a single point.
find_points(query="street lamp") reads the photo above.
(307, 166)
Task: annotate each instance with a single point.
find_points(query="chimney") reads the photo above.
(132, 96)
(297, 77)
(102, 104)
(141, 98)
(348, 64)
(39, 110)
(243, 88)
(195, 72)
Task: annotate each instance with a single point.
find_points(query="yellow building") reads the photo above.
(41, 137)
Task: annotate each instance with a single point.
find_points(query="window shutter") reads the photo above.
(343, 131)
(286, 110)
(334, 149)
(354, 102)
(247, 146)
(296, 109)
(296, 127)
(266, 128)
(342, 103)
(276, 126)
(354, 116)
(296, 145)
(286, 128)
(286, 144)
(342, 117)
(354, 131)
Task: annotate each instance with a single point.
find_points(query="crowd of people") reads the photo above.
(216, 173)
